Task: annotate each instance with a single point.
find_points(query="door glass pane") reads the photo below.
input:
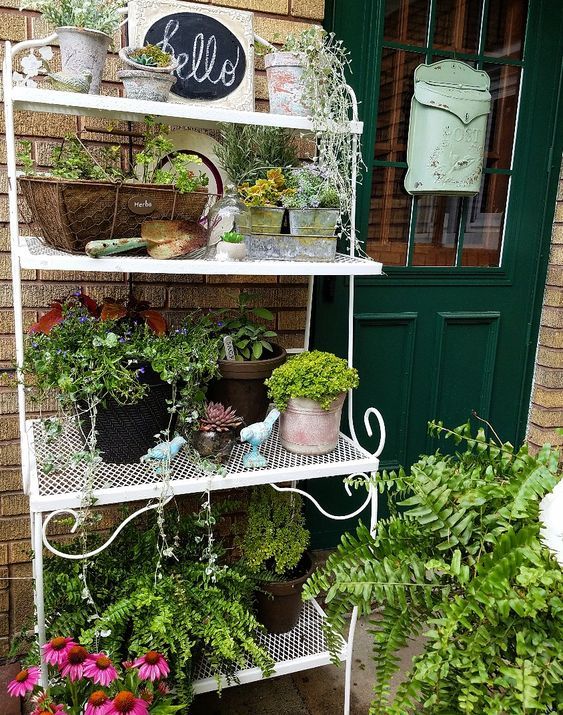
(457, 25)
(395, 93)
(437, 226)
(405, 21)
(485, 221)
(506, 25)
(505, 87)
(389, 216)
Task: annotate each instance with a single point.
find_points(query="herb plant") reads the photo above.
(311, 189)
(275, 536)
(247, 152)
(251, 340)
(270, 191)
(314, 375)
(461, 560)
(102, 15)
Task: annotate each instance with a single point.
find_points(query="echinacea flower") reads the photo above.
(56, 650)
(98, 703)
(73, 665)
(100, 668)
(152, 666)
(24, 682)
(125, 703)
(49, 709)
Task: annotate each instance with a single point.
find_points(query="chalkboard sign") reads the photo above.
(212, 60)
(214, 47)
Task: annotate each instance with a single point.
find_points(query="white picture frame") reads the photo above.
(198, 62)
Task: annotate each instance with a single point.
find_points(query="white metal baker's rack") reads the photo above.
(55, 493)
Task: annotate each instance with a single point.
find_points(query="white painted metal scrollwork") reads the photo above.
(76, 517)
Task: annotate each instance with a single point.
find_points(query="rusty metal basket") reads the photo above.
(67, 214)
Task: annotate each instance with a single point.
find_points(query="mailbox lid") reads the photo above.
(466, 103)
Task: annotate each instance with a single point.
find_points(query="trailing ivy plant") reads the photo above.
(460, 559)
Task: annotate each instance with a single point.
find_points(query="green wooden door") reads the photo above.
(453, 327)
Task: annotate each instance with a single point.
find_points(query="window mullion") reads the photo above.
(461, 231)
(412, 229)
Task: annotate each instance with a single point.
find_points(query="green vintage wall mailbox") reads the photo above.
(447, 129)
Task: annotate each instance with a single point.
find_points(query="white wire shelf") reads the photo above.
(56, 484)
(301, 648)
(33, 253)
(135, 110)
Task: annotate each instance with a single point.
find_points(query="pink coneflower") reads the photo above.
(56, 650)
(73, 666)
(100, 668)
(98, 703)
(24, 682)
(125, 703)
(152, 666)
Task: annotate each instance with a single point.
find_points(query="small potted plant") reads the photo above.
(273, 546)
(309, 390)
(314, 205)
(216, 432)
(231, 247)
(254, 357)
(84, 32)
(148, 74)
(117, 370)
(264, 197)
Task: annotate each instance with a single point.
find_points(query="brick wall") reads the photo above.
(546, 410)
(285, 296)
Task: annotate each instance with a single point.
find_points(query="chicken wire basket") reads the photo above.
(67, 214)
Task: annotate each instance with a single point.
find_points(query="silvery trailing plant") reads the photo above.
(327, 96)
(102, 15)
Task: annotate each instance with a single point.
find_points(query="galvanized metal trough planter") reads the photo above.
(287, 247)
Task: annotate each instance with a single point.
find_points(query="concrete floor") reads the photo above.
(312, 692)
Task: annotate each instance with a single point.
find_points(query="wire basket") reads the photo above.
(67, 214)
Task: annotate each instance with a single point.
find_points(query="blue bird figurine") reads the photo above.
(256, 435)
(164, 450)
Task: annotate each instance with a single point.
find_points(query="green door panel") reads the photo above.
(434, 342)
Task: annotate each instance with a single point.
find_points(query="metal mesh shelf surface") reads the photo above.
(56, 482)
(301, 648)
(36, 254)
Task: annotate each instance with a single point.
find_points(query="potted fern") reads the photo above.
(309, 390)
(274, 548)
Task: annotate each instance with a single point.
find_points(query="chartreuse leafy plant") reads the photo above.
(275, 536)
(461, 560)
(314, 375)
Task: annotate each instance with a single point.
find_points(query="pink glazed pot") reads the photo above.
(305, 428)
(284, 72)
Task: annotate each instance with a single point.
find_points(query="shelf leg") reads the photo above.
(39, 596)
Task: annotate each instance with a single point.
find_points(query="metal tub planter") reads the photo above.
(313, 222)
(285, 247)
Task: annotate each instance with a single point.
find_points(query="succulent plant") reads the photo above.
(151, 56)
(218, 418)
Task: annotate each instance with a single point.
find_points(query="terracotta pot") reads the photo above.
(305, 428)
(279, 608)
(242, 385)
(150, 86)
(82, 51)
(284, 71)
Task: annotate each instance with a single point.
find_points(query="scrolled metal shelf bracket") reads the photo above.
(76, 517)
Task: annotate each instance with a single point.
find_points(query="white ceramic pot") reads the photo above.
(230, 251)
(150, 86)
(83, 51)
(284, 71)
(305, 428)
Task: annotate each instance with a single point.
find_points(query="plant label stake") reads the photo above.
(229, 347)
